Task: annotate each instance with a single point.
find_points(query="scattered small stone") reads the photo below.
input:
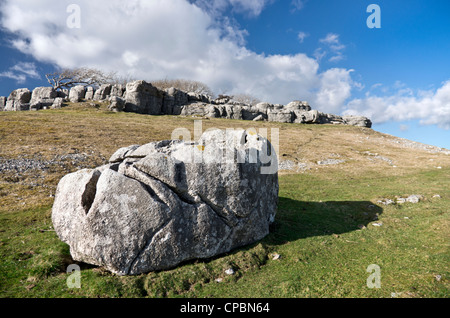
(438, 277)
(436, 196)
(219, 280)
(377, 224)
(276, 256)
(401, 200)
(414, 198)
(361, 226)
(230, 271)
(438, 167)
(386, 201)
(330, 162)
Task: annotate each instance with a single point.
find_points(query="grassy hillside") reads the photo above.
(329, 228)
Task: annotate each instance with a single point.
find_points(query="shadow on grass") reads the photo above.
(297, 219)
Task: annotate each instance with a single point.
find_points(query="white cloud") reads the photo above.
(253, 7)
(430, 107)
(302, 36)
(249, 7)
(297, 5)
(187, 39)
(333, 46)
(335, 89)
(331, 39)
(169, 39)
(21, 72)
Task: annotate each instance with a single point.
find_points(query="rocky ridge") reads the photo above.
(144, 98)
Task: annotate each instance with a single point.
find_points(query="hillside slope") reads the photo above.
(334, 183)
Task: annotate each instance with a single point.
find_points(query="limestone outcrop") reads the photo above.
(144, 98)
(18, 100)
(163, 203)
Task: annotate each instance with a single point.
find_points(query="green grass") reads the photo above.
(323, 231)
(324, 252)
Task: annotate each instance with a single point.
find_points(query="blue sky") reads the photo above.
(321, 51)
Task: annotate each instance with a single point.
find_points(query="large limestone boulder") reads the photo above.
(57, 103)
(18, 100)
(77, 94)
(143, 98)
(174, 99)
(160, 204)
(359, 121)
(103, 92)
(306, 117)
(117, 104)
(43, 97)
(280, 114)
(298, 105)
(90, 91)
(118, 90)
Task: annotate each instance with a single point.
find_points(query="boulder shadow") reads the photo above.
(298, 219)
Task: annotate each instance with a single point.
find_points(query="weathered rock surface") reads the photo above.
(2, 102)
(90, 91)
(117, 104)
(18, 100)
(173, 100)
(77, 93)
(157, 205)
(42, 97)
(143, 98)
(103, 92)
(118, 90)
(357, 121)
(57, 103)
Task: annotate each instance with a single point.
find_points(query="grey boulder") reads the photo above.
(90, 91)
(42, 97)
(158, 205)
(359, 121)
(117, 104)
(18, 100)
(103, 92)
(143, 98)
(77, 93)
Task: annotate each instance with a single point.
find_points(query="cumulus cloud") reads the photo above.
(169, 39)
(431, 107)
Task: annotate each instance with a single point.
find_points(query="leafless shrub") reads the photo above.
(68, 78)
(184, 85)
(245, 99)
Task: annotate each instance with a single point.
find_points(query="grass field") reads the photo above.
(330, 226)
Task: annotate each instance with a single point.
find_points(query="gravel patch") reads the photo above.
(23, 164)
